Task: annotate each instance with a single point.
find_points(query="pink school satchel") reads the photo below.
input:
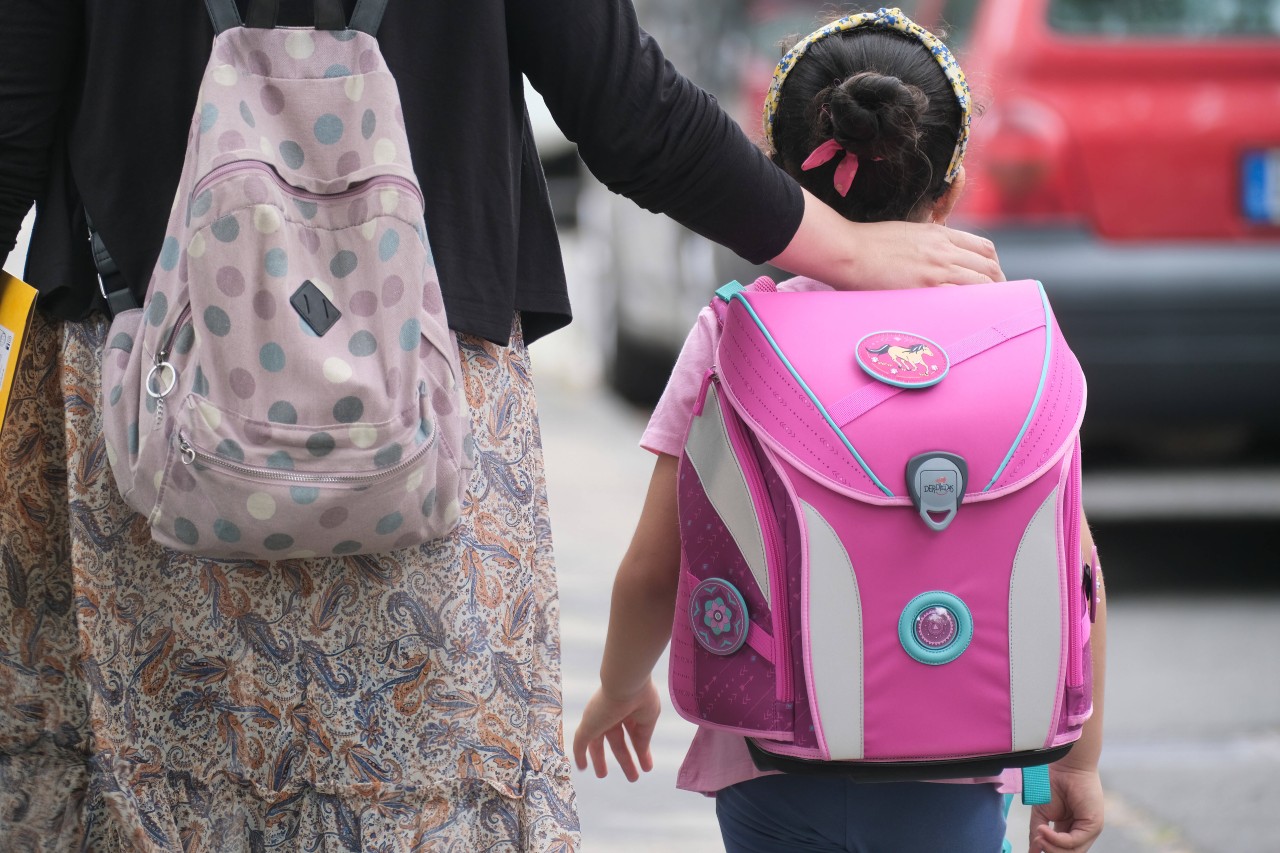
(291, 389)
(879, 501)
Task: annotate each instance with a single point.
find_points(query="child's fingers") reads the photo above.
(1039, 820)
(1078, 839)
(580, 741)
(641, 737)
(596, 749)
(618, 743)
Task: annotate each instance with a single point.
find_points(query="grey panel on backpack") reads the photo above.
(722, 479)
(1035, 629)
(835, 640)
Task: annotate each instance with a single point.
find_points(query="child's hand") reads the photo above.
(607, 718)
(1076, 812)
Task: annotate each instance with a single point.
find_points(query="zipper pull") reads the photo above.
(188, 452)
(701, 399)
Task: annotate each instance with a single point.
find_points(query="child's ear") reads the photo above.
(947, 203)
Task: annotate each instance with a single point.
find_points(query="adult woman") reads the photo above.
(397, 701)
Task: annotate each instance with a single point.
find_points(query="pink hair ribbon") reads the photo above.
(845, 171)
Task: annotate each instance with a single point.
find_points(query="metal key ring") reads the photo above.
(150, 383)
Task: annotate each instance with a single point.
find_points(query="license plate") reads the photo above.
(1262, 186)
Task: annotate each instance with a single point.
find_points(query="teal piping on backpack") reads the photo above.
(1007, 847)
(737, 294)
(1035, 786)
(1044, 378)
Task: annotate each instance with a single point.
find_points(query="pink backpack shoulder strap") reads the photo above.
(720, 302)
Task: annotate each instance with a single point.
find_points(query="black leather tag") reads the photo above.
(312, 305)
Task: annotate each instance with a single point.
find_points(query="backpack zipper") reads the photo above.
(163, 353)
(780, 599)
(191, 455)
(161, 360)
(237, 166)
(1075, 581)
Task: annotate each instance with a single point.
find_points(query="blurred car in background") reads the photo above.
(657, 275)
(1128, 156)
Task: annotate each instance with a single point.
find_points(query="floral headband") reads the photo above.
(892, 19)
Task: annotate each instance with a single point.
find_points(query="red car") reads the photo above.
(1129, 157)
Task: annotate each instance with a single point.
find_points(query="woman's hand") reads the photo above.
(885, 255)
(616, 720)
(1073, 821)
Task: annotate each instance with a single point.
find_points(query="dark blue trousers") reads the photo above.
(780, 814)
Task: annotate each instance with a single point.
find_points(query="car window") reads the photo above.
(1195, 19)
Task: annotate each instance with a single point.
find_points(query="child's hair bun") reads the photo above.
(875, 115)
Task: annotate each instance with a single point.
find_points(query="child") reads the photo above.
(871, 114)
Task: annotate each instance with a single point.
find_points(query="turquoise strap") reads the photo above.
(1007, 847)
(1035, 786)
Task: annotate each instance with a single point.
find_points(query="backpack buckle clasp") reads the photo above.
(936, 482)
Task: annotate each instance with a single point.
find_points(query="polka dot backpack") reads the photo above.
(290, 388)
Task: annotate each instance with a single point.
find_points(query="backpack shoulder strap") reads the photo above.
(224, 14)
(329, 15)
(367, 16)
(720, 302)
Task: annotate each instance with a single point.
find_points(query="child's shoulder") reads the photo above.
(800, 284)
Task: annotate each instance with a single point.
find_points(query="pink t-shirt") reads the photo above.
(718, 759)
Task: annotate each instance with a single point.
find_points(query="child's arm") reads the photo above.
(1076, 810)
(644, 594)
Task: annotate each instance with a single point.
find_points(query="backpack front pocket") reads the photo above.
(258, 490)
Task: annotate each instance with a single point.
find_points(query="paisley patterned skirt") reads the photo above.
(155, 701)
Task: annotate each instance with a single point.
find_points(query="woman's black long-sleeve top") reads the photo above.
(96, 97)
